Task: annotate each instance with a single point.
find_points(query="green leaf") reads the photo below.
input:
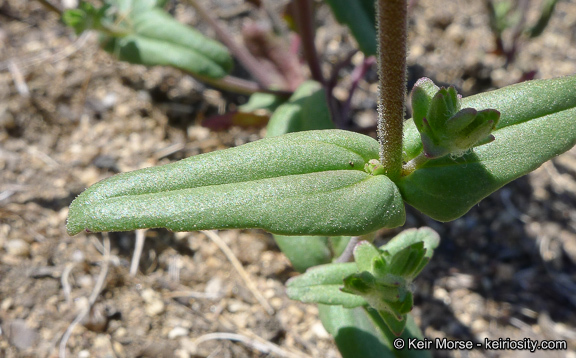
(537, 123)
(361, 332)
(395, 325)
(545, 14)
(154, 38)
(356, 334)
(141, 32)
(364, 254)
(406, 238)
(87, 17)
(260, 100)
(411, 331)
(306, 183)
(378, 292)
(374, 167)
(445, 128)
(305, 251)
(307, 109)
(360, 17)
(321, 284)
(412, 143)
(339, 244)
(422, 94)
(407, 260)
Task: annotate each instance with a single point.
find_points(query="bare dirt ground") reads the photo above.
(71, 115)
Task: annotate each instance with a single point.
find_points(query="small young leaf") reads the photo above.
(407, 260)
(461, 120)
(394, 324)
(364, 254)
(374, 167)
(406, 238)
(421, 97)
(445, 128)
(412, 143)
(321, 284)
(444, 105)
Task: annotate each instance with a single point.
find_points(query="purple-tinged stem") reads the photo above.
(245, 57)
(305, 23)
(357, 74)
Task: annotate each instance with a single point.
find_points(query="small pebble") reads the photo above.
(214, 287)
(20, 335)
(17, 247)
(178, 332)
(319, 331)
(154, 303)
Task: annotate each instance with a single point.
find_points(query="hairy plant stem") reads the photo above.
(392, 21)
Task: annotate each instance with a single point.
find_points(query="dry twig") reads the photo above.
(238, 266)
(140, 238)
(93, 296)
(260, 345)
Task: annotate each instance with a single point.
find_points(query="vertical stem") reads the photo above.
(392, 21)
(305, 23)
(51, 7)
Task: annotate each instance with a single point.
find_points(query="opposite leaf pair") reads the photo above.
(380, 277)
(315, 183)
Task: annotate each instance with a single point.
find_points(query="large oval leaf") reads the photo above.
(537, 123)
(305, 110)
(309, 183)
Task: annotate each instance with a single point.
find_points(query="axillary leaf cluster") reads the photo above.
(445, 127)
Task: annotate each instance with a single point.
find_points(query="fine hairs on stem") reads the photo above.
(392, 22)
